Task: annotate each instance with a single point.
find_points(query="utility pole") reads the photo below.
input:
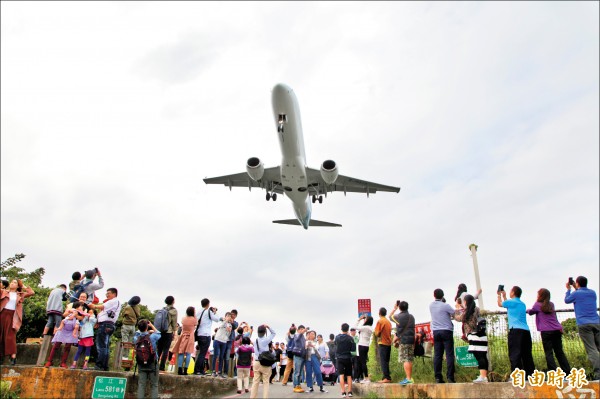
(473, 249)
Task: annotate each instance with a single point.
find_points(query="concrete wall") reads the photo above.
(471, 390)
(55, 382)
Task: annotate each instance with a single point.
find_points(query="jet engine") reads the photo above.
(255, 168)
(329, 171)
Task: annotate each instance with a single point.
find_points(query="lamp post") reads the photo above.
(473, 249)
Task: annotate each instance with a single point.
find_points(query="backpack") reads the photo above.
(298, 348)
(161, 320)
(419, 348)
(144, 353)
(481, 326)
(77, 290)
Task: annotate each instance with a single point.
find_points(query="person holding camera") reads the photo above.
(405, 338)
(145, 327)
(109, 312)
(90, 286)
(519, 337)
(203, 334)
(261, 372)
(585, 303)
(443, 336)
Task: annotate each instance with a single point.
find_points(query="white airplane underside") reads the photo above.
(301, 184)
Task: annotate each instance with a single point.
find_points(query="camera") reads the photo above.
(96, 269)
(500, 287)
(571, 281)
(398, 303)
(111, 313)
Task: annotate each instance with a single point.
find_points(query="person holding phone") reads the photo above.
(11, 317)
(585, 303)
(519, 336)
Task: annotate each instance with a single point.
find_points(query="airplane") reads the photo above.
(293, 177)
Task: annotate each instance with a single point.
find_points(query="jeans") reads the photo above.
(298, 367)
(142, 378)
(590, 335)
(313, 365)
(203, 345)
(180, 362)
(162, 348)
(385, 352)
(227, 356)
(105, 330)
(552, 342)
(443, 340)
(519, 350)
(219, 353)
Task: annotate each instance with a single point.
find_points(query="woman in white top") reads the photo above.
(364, 326)
(322, 347)
(11, 317)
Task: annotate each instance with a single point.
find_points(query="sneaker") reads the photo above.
(298, 389)
(481, 379)
(311, 389)
(222, 376)
(73, 367)
(322, 390)
(246, 390)
(239, 392)
(48, 364)
(406, 381)
(350, 394)
(366, 381)
(385, 381)
(343, 394)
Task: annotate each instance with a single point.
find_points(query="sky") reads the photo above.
(484, 113)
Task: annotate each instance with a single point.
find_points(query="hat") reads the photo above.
(135, 300)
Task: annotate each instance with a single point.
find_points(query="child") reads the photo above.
(54, 309)
(67, 334)
(244, 362)
(86, 337)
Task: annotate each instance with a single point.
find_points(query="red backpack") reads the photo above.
(144, 354)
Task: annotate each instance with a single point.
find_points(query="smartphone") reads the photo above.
(398, 303)
(571, 281)
(500, 287)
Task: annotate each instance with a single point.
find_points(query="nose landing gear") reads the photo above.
(319, 198)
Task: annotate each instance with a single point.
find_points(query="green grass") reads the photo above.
(423, 366)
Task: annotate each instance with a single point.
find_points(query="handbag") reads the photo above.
(265, 358)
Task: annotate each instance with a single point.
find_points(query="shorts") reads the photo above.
(344, 367)
(406, 353)
(54, 320)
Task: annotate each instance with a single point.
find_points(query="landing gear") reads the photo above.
(269, 196)
(314, 199)
(319, 198)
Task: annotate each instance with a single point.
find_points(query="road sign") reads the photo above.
(364, 307)
(109, 388)
(464, 358)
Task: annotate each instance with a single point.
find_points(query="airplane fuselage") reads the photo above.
(291, 142)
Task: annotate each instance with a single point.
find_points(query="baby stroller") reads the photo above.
(328, 371)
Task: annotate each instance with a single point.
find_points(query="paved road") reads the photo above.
(276, 390)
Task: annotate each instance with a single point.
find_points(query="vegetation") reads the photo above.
(6, 393)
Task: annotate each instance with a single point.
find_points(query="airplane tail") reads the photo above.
(312, 222)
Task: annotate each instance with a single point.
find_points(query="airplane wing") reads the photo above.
(345, 184)
(269, 181)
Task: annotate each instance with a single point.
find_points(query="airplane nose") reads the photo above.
(281, 88)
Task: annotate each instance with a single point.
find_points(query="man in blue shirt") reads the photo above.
(588, 321)
(146, 327)
(519, 337)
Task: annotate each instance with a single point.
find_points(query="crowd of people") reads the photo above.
(76, 316)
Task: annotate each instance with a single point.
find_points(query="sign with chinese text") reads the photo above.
(464, 358)
(364, 307)
(426, 328)
(109, 388)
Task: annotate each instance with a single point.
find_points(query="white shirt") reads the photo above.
(323, 349)
(113, 306)
(204, 330)
(12, 301)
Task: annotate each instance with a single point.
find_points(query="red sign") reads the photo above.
(364, 307)
(426, 328)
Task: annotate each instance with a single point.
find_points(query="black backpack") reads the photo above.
(481, 326)
(419, 348)
(145, 356)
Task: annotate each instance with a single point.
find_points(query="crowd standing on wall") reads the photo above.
(85, 321)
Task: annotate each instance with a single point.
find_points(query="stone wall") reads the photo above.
(55, 382)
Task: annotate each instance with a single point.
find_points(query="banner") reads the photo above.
(364, 307)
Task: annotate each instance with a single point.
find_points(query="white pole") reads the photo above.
(473, 249)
